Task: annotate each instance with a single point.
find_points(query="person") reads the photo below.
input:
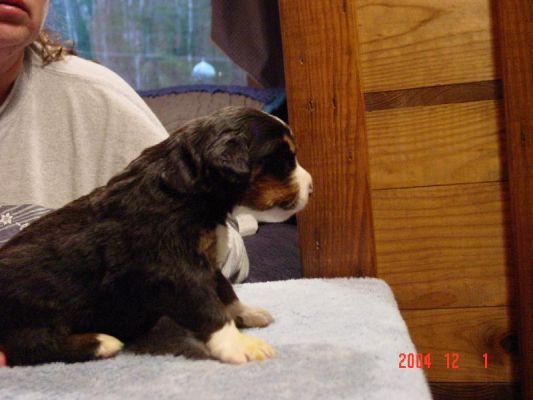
(67, 125)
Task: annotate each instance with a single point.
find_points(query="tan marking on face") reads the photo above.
(267, 192)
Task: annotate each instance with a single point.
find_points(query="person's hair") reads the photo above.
(50, 48)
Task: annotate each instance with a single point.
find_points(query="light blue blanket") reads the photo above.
(335, 339)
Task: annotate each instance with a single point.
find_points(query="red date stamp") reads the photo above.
(421, 360)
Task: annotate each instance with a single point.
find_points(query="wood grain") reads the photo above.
(436, 145)
(444, 246)
(417, 43)
(469, 332)
(326, 111)
(516, 28)
(434, 95)
(475, 391)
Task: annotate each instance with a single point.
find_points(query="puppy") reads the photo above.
(101, 271)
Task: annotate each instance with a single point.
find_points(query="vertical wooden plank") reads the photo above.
(516, 31)
(326, 111)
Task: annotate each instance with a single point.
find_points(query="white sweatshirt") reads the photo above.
(67, 128)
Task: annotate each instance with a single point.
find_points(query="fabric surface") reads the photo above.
(67, 128)
(335, 339)
(246, 223)
(236, 266)
(273, 252)
(175, 109)
(15, 218)
(175, 106)
(249, 33)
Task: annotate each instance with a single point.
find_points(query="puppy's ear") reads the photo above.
(182, 169)
(227, 159)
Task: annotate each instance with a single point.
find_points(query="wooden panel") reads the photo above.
(434, 95)
(443, 246)
(516, 24)
(469, 332)
(415, 43)
(437, 145)
(475, 391)
(326, 111)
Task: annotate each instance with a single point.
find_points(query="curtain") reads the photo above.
(248, 31)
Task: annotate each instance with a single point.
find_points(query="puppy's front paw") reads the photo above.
(253, 318)
(230, 346)
(256, 349)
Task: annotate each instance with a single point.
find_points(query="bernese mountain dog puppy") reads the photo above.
(103, 270)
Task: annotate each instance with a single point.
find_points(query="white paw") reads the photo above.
(230, 346)
(254, 317)
(109, 346)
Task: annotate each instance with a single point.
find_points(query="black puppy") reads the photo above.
(106, 267)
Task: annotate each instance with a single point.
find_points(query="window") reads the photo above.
(151, 44)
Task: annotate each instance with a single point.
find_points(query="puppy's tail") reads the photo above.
(31, 346)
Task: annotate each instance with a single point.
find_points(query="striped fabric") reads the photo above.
(15, 218)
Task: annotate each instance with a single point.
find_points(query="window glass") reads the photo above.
(151, 43)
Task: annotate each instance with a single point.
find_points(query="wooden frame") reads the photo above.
(326, 108)
(327, 112)
(516, 35)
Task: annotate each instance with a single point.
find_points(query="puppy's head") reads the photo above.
(241, 154)
(278, 186)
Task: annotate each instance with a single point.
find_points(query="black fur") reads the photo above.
(118, 259)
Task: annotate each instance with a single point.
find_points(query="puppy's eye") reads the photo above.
(280, 163)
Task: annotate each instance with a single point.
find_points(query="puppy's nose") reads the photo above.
(310, 188)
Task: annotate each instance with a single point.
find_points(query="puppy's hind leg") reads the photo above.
(42, 345)
(167, 337)
(249, 317)
(205, 315)
(244, 316)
